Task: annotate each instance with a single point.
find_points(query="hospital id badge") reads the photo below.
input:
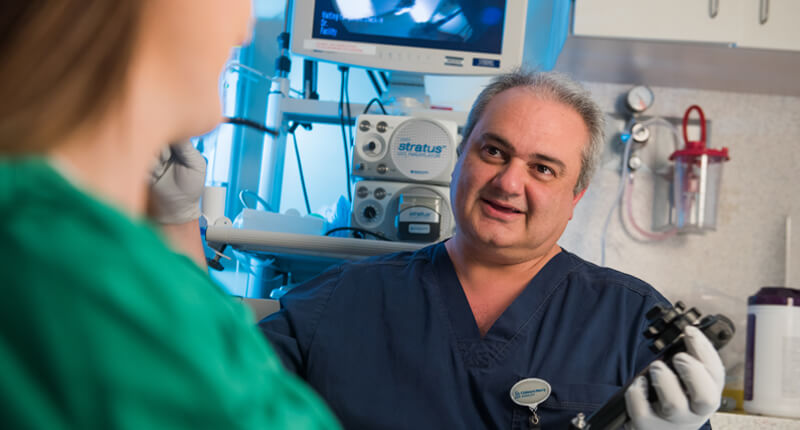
(531, 392)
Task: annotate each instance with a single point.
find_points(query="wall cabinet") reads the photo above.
(767, 24)
(771, 24)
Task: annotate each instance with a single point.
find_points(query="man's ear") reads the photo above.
(576, 199)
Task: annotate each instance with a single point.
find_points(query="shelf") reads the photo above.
(274, 243)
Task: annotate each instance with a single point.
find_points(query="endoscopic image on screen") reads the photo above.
(462, 25)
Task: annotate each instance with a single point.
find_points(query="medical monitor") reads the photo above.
(451, 37)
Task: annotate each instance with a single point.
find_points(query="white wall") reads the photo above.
(758, 191)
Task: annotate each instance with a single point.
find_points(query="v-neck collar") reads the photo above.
(528, 305)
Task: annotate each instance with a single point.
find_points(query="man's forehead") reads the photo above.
(529, 112)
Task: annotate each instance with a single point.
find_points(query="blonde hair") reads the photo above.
(62, 64)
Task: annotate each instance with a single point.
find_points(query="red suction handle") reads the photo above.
(702, 142)
(694, 149)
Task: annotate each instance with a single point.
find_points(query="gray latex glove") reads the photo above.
(701, 372)
(176, 184)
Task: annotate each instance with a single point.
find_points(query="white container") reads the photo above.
(289, 222)
(772, 362)
(212, 205)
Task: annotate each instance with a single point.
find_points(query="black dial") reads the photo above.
(370, 212)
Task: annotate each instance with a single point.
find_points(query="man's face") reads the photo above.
(513, 185)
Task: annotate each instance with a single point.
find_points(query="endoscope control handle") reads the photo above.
(666, 331)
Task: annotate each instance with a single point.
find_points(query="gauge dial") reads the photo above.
(640, 98)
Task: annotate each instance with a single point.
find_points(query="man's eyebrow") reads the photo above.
(500, 141)
(506, 146)
(560, 166)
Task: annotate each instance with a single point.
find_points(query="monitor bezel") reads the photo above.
(408, 58)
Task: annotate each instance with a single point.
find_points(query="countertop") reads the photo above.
(729, 421)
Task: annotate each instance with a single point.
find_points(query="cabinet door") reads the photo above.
(714, 21)
(771, 24)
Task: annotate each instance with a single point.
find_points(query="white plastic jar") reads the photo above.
(772, 358)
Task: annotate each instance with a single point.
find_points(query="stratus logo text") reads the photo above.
(411, 147)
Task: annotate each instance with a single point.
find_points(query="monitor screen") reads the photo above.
(428, 36)
(477, 27)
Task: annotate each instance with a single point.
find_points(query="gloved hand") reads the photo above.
(703, 375)
(176, 184)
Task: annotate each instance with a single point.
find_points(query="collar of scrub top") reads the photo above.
(530, 303)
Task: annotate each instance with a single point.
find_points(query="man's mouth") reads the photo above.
(502, 207)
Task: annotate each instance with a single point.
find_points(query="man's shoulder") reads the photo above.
(384, 266)
(393, 263)
(383, 271)
(594, 276)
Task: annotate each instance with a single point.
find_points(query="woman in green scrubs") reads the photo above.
(102, 323)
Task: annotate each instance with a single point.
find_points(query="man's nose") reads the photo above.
(511, 177)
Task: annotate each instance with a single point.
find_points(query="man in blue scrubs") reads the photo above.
(438, 337)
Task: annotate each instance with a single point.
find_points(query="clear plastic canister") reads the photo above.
(695, 191)
(772, 357)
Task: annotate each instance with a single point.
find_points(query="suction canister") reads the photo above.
(696, 180)
(772, 359)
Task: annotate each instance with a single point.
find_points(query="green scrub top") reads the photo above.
(103, 326)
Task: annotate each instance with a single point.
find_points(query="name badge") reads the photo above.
(530, 392)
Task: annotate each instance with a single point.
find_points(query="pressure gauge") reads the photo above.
(640, 98)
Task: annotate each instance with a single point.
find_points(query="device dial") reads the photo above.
(371, 147)
(369, 213)
(640, 133)
(640, 98)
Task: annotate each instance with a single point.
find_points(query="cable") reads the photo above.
(629, 211)
(664, 123)
(234, 65)
(358, 230)
(623, 181)
(347, 103)
(252, 124)
(344, 135)
(375, 99)
(257, 197)
(628, 142)
(374, 80)
(300, 167)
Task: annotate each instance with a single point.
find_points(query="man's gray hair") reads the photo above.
(556, 87)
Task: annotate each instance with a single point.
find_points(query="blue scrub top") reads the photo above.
(391, 342)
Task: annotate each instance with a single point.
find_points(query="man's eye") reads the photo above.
(493, 151)
(544, 169)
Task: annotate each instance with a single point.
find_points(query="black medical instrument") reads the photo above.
(665, 330)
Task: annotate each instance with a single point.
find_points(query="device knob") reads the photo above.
(380, 193)
(370, 212)
(382, 169)
(362, 192)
